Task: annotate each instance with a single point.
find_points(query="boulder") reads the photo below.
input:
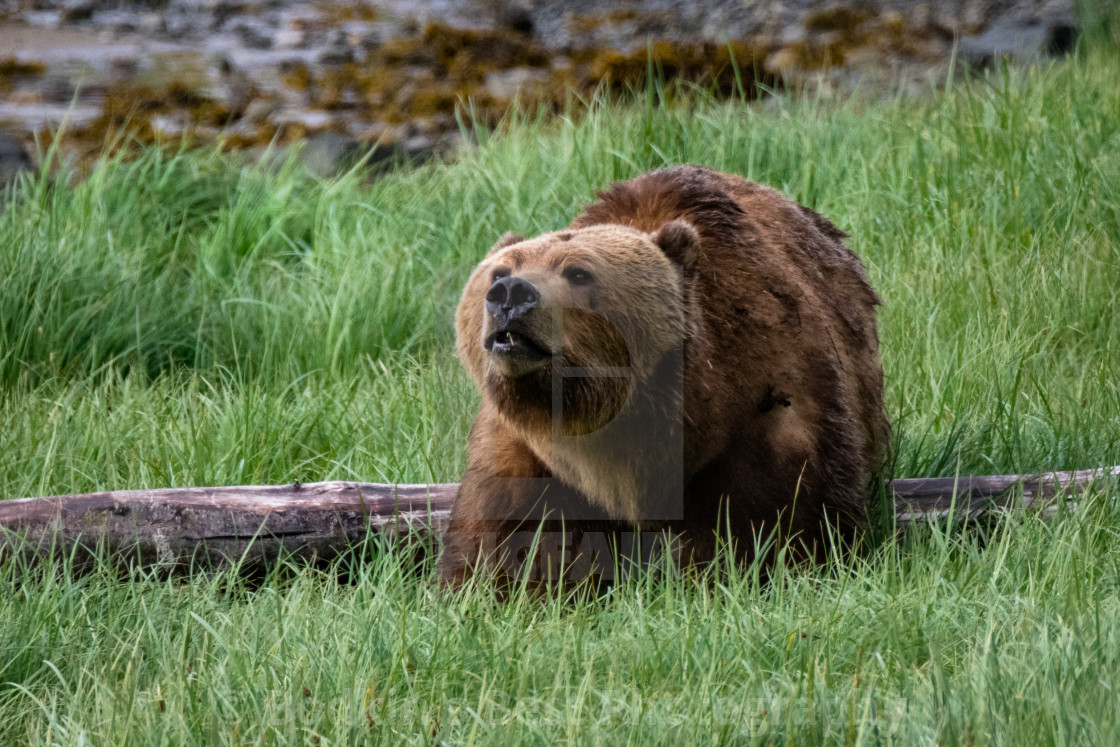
(13, 161)
(76, 11)
(506, 84)
(1019, 41)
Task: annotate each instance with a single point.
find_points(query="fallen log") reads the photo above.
(207, 527)
(920, 499)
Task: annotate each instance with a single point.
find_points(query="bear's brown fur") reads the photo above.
(694, 355)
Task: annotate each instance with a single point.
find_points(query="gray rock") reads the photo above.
(222, 11)
(151, 23)
(56, 89)
(13, 161)
(123, 68)
(331, 154)
(41, 18)
(363, 36)
(1020, 42)
(290, 39)
(338, 51)
(259, 110)
(506, 84)
(338, 54)
(77, 10)
(179, 25)
(253, 34)
(792, 34)
(119, 21)
(412, 152)
(326, 155)
(514, 17)
(312, 119)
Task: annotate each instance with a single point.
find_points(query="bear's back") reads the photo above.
(783, 385)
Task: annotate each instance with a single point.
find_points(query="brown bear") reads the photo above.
(695, 357)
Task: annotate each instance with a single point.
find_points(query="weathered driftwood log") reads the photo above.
(204, 527)
(919, 499)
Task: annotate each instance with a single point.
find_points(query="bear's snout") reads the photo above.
(510, 297)
(515, 337)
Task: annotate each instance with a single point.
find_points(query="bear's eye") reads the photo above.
(577, 275)
(501, 272)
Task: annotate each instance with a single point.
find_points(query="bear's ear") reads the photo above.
(508, 239)
(681, 244)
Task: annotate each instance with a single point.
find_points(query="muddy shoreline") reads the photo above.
(394, 74)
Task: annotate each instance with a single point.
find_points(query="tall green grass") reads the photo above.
(187, 319)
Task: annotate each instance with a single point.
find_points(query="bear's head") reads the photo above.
(575, 318)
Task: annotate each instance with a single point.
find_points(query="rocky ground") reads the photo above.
(394, 73)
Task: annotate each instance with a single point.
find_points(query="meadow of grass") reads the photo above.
(182, 319)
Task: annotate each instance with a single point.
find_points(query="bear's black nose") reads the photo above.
(511, 297)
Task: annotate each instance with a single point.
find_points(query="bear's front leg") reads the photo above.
(513, 519)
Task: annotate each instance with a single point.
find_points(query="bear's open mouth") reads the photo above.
(514, 342)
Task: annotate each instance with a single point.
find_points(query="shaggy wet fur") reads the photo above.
(745, 396)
